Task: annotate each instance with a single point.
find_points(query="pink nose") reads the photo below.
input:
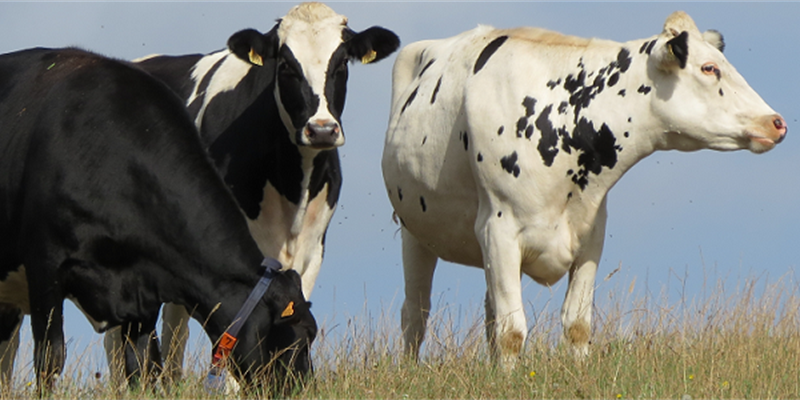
(323, 133)
(780, 126)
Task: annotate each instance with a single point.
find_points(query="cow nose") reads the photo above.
(780, 126)
(323, 134)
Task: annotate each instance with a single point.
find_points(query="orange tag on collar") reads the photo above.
(224, 348)
(288, 311)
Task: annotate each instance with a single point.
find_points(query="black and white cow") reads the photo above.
(109, 198)
(503, 144)
(269, 111)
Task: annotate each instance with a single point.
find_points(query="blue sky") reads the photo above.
(675, 217)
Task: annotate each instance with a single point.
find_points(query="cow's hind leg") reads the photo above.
(418, 267)
(10, 321)
(174, 335)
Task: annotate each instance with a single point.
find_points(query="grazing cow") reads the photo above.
(108, 198)
(503, 144)
(269, 111)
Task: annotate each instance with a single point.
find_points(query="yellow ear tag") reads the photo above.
(255, 58)
(369, 57)
(288, 311)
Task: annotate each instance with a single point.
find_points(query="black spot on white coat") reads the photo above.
(522, 123)
(425, 68)
(509, 163)
(487, 52)
(410, 99)
(436, 90)
(529, 103)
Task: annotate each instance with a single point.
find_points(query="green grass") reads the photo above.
(742, 342)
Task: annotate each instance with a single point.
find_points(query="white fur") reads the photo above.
(230, 73)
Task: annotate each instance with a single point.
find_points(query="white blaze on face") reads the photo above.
(313, 32)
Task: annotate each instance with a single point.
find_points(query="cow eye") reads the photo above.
(710, 68)
(287, 70)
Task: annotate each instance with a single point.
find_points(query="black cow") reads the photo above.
(108, 197)
(269, 111)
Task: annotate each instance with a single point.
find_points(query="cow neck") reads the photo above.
(638, 137)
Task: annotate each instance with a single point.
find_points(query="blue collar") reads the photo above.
(228, 338)
(271, 267)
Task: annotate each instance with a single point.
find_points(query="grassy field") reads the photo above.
(738, 343)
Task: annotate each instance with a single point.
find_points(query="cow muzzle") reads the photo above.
(323, 134)
(768, 132)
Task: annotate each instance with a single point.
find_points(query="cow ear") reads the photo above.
(371, 45)
(673, 54)
(715, 38)
(679, 47)
(253, 46)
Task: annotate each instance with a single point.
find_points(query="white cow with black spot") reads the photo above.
(503, 144)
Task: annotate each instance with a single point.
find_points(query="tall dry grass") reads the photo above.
(740, 341)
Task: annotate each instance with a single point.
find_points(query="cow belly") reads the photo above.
(446, 228)
(438, 209)
(293, 233)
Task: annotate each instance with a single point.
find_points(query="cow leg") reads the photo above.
(489, 323)
(10, 321)
(502, 261)
(174, 335)
(576, 313)
(115, 356)
(142, 356)
(418, 267)
(47, 323)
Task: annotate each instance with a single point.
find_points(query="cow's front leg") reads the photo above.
(418, 267)
(142, 355)
(576, 313)
(115, 356)
(174, 335)
(10, 321)
(48, 336)
(507, 329)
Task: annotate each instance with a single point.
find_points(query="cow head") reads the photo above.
(700, 96)
(283, 336)
(309, 49)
